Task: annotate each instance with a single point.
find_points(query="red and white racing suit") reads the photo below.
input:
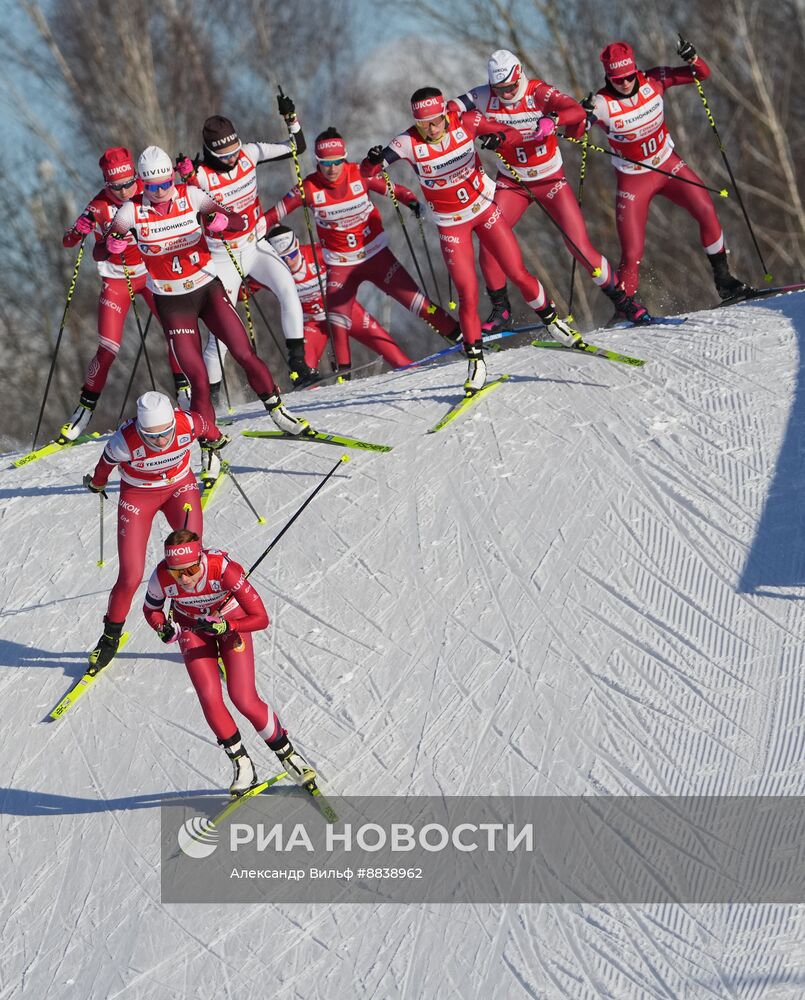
(223, 592)
(355, 245)
(114, 300)
(461, 201)
(538, 164)
(186, 287)
(237, 189)
(635, 127)
(151, 479)
(365, 328)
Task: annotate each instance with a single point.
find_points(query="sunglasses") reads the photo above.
(333, 163)
(624, 79)
(290, 254)
(229, 156)
(184, 570)
(161, 186)
(157, 435)
(502, 88)
(123, 185)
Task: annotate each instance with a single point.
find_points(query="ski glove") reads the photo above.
(416, 208)
(685, 50)
(216, 445)
(185, 167)
(213, 626)
(84, 225)
(218, 223)
(87, 480)
(375, 155)
(589, 107)
(116, 244)
(545, 126)
(169, 632)
(493, 140)
(286, 106)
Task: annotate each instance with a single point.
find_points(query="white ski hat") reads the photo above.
(505, 69)
(154, 164)
(154, 409)
(283, 240)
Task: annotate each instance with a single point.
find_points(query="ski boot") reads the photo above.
(293, 762)
(182, 391)
(301, 373)
(106, 647)
(210, 460)
(343, 373)
(560, 329)
(501, 316)
(476, 370)
(626, 308)
(284, 419)
(244, 776)
(454, 337)
(727, 286)
(81, 417)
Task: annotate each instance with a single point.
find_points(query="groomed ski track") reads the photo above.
(590, 584)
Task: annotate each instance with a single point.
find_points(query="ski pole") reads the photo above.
(186, 508)
(137, 320)
(229, 407)
(722, 192)
(260, 518)
(273, 336)
(766, 276)
(596, 271)
(70, 291)
(582, 174)
(100, 558)
(134, 368)
(393, 196)
(300, 183)
(249, 324)
(451, 301)
(429, 259)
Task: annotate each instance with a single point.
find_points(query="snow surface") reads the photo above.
(591, 584)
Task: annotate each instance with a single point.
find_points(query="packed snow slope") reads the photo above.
(591, 584)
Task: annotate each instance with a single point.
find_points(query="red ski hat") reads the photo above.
(618, 60)
(426, 109)
(182, 554)
(331, 148)
(117, 162)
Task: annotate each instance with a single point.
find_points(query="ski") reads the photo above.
(83, 684)
(599, 352)
(487, 339)
(321, 801)
(323, 436)
(208, 492)
(468, 401)
(624, 324)
(760, 293)
(240, 800)
(53, 447)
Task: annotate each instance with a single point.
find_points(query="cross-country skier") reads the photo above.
(534, 164)
(182, 276)
(306, 264)
(629, 108)
(120, 184)
(228, 172)
(214, 611)
(355, 245)
(153, 453)
(440, 146)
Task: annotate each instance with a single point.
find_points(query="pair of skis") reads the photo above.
(312, 789)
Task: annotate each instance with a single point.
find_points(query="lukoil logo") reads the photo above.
(197, 837)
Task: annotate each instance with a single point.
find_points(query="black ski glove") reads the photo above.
(169, 632)
(589, 108)
(375, 155)
(416, 208)
(212, 626)
(285, 106)
(685, 50)
(493, 140)
(87, 480)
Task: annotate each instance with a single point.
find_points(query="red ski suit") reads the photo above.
(221, 592)
(636, 127)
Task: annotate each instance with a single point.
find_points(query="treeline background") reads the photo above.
(81, 75)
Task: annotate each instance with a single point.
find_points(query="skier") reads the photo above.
(153, 452)
(181, 274)
(120, 184)
(228, 173)
(355, 245)
(440, 146)
(307, 267)
(214, 610)
(629, 108)
(534, 164)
